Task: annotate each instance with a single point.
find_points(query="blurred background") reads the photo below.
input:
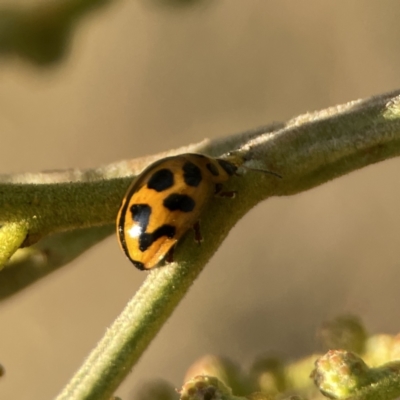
(138, 77)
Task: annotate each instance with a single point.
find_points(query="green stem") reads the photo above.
(125, 341)
(50, 208)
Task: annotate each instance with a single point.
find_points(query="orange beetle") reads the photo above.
(164, 201)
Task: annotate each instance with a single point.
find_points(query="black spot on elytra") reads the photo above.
(213, 169)
(141, 214)
(179, 202)
(161, 180)
(228, 167)
(191, 174)
(147, 239)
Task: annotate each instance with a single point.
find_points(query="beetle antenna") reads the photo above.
(265, 171)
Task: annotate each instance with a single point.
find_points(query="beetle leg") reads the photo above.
(197, 234)
(169, 257)
(218, 192)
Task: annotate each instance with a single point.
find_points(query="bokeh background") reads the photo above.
(142, 76)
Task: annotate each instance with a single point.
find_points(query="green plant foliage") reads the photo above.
(338, 374)
(42, 33)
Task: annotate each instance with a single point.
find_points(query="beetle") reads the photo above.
(164, 201)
